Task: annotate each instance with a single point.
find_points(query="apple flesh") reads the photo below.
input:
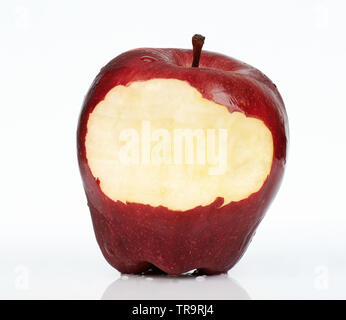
(155, 210)
(156, 179)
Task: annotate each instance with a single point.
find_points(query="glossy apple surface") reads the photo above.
(211, 237)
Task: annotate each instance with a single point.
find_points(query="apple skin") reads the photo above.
(134, 236)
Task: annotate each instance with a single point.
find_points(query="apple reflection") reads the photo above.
(153, 286)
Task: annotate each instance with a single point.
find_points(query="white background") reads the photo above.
(50, 51)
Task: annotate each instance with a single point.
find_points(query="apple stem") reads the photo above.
(197, 43)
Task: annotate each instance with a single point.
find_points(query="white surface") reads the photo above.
(51, 52)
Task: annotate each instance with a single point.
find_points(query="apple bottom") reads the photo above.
(135, 237)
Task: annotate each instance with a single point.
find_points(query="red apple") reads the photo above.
(187, 210)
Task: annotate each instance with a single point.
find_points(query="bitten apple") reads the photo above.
(181, 153)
